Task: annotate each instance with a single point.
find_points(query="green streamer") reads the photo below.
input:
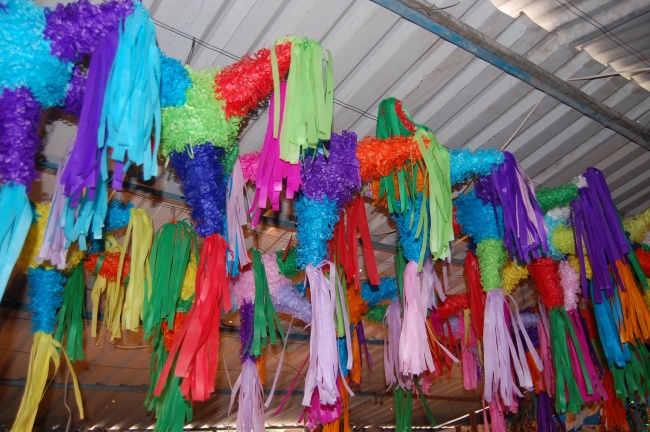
(550, 198)
(170, 254)
(564, 374)
(70, 316)
(403, 400)
(400, 266)
(265, 318)
(425, 404)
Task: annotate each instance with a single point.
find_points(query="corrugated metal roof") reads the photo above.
(376, 54)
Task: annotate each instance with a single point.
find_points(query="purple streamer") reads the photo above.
(77, 29)
(20, 118)
(201, 175)
(246, 318)
(335, 177)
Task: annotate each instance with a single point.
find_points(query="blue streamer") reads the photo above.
(343, 355)
(315, 222)
(17, 216)
(607, 330)
(478, 219)
(46, 293)
(407, 224)
(464, 164)
(26, 59)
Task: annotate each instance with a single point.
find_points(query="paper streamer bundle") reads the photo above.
(235, 219)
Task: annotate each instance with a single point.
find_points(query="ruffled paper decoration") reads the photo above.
(290, 301)
(379, 157)
(243, 84)
(76, 29)
(204, 185)
(483, 189)
(411, 237)
(561, 196)
(554, 220)
(29, 254)
(250, 415)
(22, 24)
(45, 292)
(492, 258)
(478, 219)
(375, 294)
(315, 221)
(524, 232)
(249, 163)
(481, 162)
(118, 215)
(452, 305)
(513, 273)
(175, 80)
(74, 96)
(287, 266)
(571, 285)
(200, 119)
(638, 226)
(20, 118)
(376, 314)
(335, 176)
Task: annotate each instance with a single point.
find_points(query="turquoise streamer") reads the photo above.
(16, 220)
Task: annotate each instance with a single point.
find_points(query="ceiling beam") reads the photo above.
(473, 41)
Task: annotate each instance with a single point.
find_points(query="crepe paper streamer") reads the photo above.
(513, 273)
(492, 258)
(596, 222)
(324, 366)
(501, 353)
(107, 265)
(638, 226)
(375, 294)
(524, 231)
(106, 281)
(204, 186)
(29, 253)
(317, 413)
(546, 414)
(118, 215)
(481, 162)
(235, 219)
(415, 355)
(344, 246)
(470, 366)
(607, 314)
(200, 119)
(140, 234)
(45, 289)
(478, 219)
(250, 414)
(475, 292)
(84, 219)
(249, 165)
(197, 344)
(561, 196)
(70, 317)
(271, 169)
(76, 29)
(20, 118)
(315, 222)
(335, 173)
(452, 306)
(22, 43)
(287, 266)
(343, 422)
(243, 84)
(44, 350)
(570, 284)
(392, 120)
(583, 346)
(266, 319)
(14, 228)
(613, 409)
(403, 401)
(634, 322)
(74, 95)
(497, 416)
(307, 115)
(174, 82)
(436, 160)
(130, 116)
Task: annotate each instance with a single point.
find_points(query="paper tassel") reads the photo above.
(324, 361)
(403, 400)
(197, 344)
(70, 316)
(497, 418)
(544, 335)
(501, 353)
(266, 319)
(607, 316)
(415, 355)
(524, 230)
(140, 234)
(475, 293)
(392, 366)
(634, 322)
(235, 219)
(272, 170)
(170, 255)
(545, 422)
(250, 415)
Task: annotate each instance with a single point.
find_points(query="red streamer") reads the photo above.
(544, 272)
(244, 83)
(457, 227)
(475, 293)
(197, 343)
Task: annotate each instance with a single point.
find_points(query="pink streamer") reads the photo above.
(470, 377)
(250, 415)
(236, 216)
(272, 170)
(393, 374)
(497, 418)
(598, 392)
(415, 356)
(543, 330)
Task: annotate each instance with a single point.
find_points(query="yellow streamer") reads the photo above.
(44, 349)
(140, 232)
